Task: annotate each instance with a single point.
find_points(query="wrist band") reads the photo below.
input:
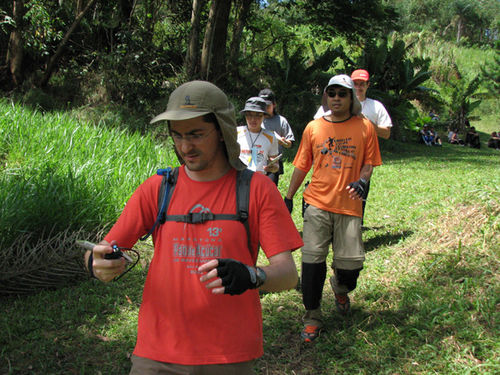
(89, 265)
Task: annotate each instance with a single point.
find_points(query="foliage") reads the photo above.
(490, 74)
(461, 98)
(289, 78)
(355, 19)
(45, 22)
(452, 69)
(278, 55)
(5, 21)
(418, 123)
(461, 21)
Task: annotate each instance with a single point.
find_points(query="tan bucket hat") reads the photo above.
(198, 98)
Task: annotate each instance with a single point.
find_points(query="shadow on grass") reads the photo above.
(385, 238)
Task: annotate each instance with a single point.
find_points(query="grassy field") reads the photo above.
(427, 301)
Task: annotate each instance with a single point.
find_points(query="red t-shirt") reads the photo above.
(180, 320)
(338, 151)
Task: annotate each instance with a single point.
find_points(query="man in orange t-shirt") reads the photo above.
(200, 311)
(343, 148)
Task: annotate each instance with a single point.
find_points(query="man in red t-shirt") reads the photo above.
(343, 148)
(201, 303)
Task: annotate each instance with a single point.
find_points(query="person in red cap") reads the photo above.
(371, 108)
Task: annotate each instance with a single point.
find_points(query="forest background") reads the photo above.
(123, 58)
(82, 79)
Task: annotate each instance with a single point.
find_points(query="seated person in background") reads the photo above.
(427, 136)
(259, 147)
(450, 134)
(453, 138)
(436, 137)
(472, 138)
(433, 115)
(494, 141)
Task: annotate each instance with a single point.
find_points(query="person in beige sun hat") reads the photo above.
(203, 280)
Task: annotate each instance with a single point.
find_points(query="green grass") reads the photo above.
(427, 300)
(59, 172)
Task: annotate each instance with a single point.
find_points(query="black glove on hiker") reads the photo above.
(289, 204)
(235, 276)
(360, 187)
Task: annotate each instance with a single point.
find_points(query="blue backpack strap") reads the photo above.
(164, 194)
(166, 190)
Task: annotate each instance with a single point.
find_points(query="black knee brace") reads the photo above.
(313, 279)
(348, 278)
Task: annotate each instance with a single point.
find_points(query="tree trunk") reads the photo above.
(126, 10)
(78, 7)
(206, 52)
(219, 55)
(242, 11)
(57, 55)
(213, 54)
(459, 29)
(192, 55)
(15, 49)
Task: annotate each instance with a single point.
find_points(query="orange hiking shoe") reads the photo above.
(310, 333)
(343, 303)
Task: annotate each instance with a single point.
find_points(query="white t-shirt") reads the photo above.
(372, 109)
(256, 148)
(376, 113)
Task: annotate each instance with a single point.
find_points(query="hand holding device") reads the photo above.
(104, 270)
(275, 159)
(116, 254)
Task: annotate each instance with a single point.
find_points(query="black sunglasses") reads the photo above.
(333, 93)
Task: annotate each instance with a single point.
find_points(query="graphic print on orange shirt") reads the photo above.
(337, 149)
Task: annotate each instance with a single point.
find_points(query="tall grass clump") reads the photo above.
(61, 176)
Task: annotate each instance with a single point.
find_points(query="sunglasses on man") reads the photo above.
(341, 93)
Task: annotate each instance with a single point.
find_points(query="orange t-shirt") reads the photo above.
(180, 320)
(338, 151)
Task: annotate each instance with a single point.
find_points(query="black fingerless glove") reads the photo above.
(289, 204)
(360, 187)
(235, 276)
